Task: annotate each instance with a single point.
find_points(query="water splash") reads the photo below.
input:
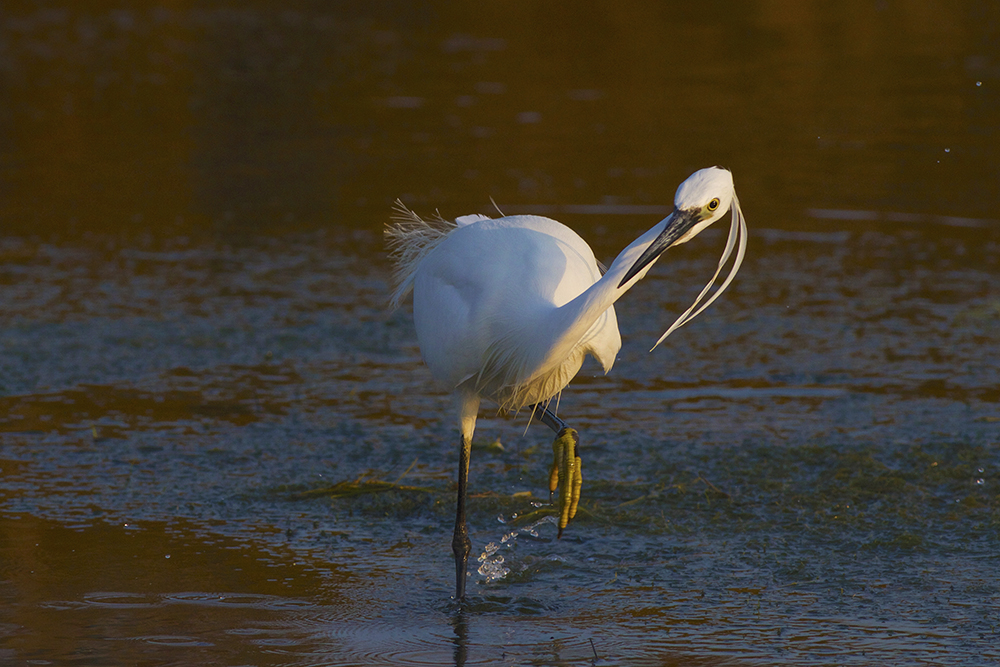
(492, 567)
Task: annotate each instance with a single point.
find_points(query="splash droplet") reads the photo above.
(492, 567)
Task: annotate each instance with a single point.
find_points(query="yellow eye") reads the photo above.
(714, 204)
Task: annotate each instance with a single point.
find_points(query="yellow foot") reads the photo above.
(568, 467)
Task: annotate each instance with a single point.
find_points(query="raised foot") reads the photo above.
(567, 467)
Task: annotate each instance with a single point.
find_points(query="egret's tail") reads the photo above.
(409, 238)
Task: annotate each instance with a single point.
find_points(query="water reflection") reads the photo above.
(461, 625)
(183, 118)
(127, 591)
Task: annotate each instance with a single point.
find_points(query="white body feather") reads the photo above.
(507, 309)
(485, 307)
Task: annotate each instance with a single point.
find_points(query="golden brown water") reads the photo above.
(194, 345)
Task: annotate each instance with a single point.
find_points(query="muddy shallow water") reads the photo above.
(219, 447)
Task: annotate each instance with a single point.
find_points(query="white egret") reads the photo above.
(506, 309)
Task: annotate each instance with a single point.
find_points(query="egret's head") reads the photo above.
(703, 198)
(700, 200)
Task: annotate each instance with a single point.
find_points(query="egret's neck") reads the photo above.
(626, 258)
(576, 317)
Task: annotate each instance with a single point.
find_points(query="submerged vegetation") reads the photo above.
(898, 497)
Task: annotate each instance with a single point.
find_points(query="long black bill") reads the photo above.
(678, 225)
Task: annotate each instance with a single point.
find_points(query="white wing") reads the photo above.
(464, 220)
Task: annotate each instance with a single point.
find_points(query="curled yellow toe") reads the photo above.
(557, 451)
(577, 486)
(567, 468)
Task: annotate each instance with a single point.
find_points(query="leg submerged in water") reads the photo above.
(461, 545)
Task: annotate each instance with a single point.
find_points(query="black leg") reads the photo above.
(543, 414)
(461, 544)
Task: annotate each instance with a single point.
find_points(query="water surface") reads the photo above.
(195, 347)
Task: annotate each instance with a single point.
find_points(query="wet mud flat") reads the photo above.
(233, 453)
